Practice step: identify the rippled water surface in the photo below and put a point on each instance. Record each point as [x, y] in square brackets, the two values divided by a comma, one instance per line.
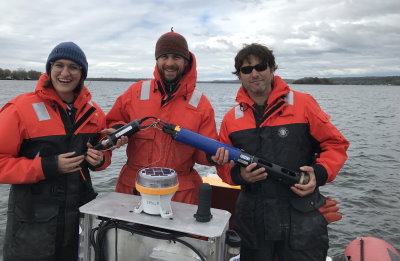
[367, 188]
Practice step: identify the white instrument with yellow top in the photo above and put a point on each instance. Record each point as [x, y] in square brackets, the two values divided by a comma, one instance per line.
[157, 186]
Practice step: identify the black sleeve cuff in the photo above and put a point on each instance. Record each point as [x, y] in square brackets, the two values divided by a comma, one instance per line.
[321, 175]
[50, 166]
[236, 177]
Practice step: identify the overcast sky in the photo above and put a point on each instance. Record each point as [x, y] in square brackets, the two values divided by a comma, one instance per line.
[318, 38]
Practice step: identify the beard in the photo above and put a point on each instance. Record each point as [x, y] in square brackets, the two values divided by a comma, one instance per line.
[170, 74]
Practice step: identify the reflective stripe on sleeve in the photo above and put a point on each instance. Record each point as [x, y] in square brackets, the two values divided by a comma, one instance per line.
[195, 99]
[290, 98]
[41, 111]
[145, 90]
[238, 112]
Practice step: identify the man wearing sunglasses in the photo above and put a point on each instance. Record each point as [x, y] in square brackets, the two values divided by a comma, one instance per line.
[288, 128]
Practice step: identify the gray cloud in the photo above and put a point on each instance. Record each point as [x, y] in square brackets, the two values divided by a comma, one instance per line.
[309, 37]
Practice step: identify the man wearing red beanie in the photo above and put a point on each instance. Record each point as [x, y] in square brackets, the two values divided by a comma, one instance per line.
[170, 96]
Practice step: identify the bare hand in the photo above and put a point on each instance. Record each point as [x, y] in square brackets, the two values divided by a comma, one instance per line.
[94, 157]
[67, 163]
[121, 141]
[221, 157]
[303, 190]
[108, 131]
[250, 175]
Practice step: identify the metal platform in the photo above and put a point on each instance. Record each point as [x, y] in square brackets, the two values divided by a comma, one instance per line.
[131, 247]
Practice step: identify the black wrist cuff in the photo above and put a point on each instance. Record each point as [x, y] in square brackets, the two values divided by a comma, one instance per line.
[236, 177]
[321, 175]
[50, 166]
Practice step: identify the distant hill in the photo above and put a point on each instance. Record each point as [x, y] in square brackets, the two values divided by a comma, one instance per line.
[314, 80]
[368, 80]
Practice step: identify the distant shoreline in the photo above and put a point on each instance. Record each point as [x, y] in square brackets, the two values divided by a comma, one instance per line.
[367, 80]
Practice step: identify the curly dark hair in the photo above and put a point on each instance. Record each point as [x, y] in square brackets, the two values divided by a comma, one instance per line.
[258, 50]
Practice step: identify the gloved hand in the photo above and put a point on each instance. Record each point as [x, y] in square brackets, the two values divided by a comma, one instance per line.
[330, 211]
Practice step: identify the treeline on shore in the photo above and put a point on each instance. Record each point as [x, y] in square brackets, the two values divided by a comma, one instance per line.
[21, 74]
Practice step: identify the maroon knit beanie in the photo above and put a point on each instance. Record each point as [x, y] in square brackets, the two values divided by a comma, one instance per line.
[172, 42]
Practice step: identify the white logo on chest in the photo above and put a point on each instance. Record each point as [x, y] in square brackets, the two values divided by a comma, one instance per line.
[283, 132]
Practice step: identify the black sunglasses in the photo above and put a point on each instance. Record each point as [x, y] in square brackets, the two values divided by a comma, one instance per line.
[259, 68]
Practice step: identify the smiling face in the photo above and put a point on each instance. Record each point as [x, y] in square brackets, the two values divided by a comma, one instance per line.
[65, 77]
[171, 66]
[257, 84]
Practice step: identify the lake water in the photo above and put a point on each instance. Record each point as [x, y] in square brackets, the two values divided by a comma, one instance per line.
[367, 188]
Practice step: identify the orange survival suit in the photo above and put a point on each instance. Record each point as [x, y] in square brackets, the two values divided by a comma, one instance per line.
[43, 205]
[292, 131]
[187, 107]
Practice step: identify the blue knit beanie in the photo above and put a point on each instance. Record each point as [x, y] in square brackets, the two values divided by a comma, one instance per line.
[70, 51]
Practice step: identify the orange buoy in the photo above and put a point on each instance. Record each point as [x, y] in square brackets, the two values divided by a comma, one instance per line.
[370, 249]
